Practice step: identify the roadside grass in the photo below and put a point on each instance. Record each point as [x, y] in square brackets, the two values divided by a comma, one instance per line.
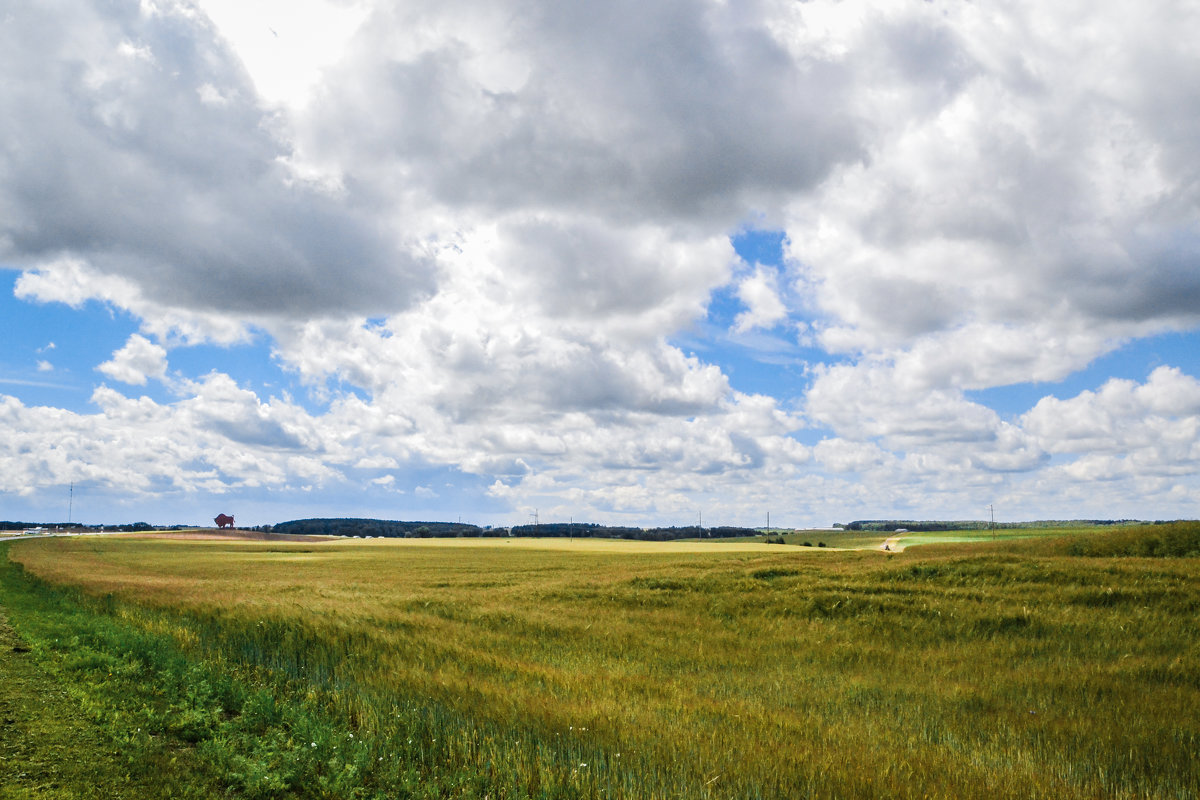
[370, 669]
[75, 706]
[48, 748]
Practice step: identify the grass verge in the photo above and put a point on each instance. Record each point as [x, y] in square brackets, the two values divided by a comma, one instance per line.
[73, 697]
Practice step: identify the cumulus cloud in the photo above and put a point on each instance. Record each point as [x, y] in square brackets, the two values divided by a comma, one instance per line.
[1020, 173]
[74, 282]
[840, 455]
[217, 404]
[1156, 425]
[138, 360]
[869, 401]
[488, 222]
[672, 111]
[115, 158]
[760, 294]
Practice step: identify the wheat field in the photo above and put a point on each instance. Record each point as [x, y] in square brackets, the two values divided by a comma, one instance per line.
[549, 668]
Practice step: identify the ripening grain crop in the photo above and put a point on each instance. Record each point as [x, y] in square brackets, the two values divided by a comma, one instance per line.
[629, 671]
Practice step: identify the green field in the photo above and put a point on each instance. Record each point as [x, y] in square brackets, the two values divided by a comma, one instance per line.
[868, 540]
[1059, 667]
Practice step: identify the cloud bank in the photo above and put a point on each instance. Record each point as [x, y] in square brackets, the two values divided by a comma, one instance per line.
[475, 235]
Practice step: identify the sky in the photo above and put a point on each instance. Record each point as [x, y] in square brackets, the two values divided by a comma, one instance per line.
[630, 263]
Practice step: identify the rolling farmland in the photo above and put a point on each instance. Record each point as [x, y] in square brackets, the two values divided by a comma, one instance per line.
[549, 668]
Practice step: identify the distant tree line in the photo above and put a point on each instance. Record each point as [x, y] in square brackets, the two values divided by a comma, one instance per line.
[974, 524]
[595, 531]
[128, 527]
[411, 530]
[376, 527]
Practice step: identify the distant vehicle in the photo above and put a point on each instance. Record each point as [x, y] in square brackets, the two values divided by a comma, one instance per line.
[33, 531]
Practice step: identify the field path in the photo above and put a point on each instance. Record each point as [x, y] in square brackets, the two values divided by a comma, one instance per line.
[892, 544]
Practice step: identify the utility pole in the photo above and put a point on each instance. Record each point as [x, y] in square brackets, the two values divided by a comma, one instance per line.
[992, 524]
[70, 503]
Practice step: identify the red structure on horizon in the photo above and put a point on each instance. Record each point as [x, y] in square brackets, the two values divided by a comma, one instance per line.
[223, 521]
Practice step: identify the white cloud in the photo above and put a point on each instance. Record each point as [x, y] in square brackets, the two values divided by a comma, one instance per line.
[377, 462]
[492, 219]
[44, 366]
[1155, 425]
[74, 282]
[138, 360]
[876, 400]
[71, 281]
[285, 44]
[840, 455]
[217, 404]
[180, 200]
[1019, 181]
[760, 294]
[211, 95]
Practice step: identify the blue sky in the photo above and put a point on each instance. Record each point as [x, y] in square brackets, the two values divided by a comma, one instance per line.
[771, 361]
[628, 264]
[49, 334]
[1133, 361]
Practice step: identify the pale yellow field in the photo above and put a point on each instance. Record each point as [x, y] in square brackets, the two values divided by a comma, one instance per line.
[554, 544]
